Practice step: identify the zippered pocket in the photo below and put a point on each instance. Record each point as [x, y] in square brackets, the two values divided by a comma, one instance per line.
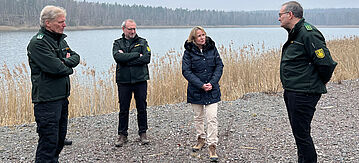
[296, 42]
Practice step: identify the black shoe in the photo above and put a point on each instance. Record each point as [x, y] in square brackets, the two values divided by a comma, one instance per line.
[67, 142]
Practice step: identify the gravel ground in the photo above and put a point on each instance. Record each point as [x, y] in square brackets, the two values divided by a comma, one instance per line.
[254, 128]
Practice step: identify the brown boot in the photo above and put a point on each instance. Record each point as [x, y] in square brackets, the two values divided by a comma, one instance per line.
[143, 139]
[199, 145]
[122, 139]
[212, 153]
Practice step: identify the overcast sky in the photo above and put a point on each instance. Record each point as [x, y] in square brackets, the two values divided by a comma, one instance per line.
[237, 5]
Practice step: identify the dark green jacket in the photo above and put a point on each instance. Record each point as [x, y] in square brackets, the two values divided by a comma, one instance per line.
[306, 65]
[131, 68]
[50, 69]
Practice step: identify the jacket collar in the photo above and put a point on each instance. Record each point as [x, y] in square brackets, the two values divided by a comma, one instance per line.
[55, 36]
[297, 27]
[130, 40]
[210, 44]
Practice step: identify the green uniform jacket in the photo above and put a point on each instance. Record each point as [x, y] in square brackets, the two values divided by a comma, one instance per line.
[306, 65]
[50, 69]
[131, 68]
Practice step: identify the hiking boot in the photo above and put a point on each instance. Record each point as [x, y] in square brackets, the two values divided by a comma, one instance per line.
[143, 139]
[67, 142]
[212, 153]
[199, 145]
[122, 139]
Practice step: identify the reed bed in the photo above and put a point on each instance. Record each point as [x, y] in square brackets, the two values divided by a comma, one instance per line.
[345, 51]
[246, 69]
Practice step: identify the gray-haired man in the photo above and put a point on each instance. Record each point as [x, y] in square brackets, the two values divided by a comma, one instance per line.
[51, 61]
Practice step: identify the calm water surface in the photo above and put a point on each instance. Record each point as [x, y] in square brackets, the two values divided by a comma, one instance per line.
[95, 46]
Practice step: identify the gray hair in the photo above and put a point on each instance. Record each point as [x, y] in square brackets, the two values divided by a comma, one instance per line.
[295, 8]
[127, 20]
[50, 13]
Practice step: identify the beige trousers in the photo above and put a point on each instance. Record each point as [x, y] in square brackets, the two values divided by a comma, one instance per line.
[208, 112]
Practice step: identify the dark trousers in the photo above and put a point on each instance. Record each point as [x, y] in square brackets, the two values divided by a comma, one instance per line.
[51, 119]
[301, 108]
[125, 95]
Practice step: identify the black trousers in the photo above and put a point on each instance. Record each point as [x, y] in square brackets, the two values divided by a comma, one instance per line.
[301, 108]
[51, 119]
[125, 95]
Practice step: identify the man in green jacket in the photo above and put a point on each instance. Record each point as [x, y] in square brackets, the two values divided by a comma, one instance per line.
[51, 61]
[305, 68]
[132, 54]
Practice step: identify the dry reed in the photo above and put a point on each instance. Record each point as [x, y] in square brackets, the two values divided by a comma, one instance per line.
[246, 70]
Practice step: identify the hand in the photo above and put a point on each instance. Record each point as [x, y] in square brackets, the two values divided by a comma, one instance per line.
[207, 87]
[68, 55]
[120, 51]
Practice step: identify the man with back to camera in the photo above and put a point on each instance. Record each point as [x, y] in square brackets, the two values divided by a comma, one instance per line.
[305, 68]
[132, 55]
[51, 62]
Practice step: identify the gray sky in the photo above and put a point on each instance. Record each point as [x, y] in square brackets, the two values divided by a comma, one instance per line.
[237, 5]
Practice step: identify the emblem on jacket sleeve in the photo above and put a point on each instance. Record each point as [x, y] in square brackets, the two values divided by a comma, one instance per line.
[148, 48]
[308, 27]
[320, 53]
[40, 36]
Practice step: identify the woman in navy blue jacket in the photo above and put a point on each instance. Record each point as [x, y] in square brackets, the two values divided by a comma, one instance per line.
[202, 67]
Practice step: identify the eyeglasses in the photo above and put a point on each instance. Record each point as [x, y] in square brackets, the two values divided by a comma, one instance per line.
[130, 29]
[280, 14]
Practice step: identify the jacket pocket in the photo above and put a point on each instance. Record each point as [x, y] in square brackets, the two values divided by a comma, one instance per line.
[137, 48]
[194, 93]
[216, 93]
[197, 64]
[211, 61]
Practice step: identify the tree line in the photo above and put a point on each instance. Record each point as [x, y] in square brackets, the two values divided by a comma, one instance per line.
[82, 13]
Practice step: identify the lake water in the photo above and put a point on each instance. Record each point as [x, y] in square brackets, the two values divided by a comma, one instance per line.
[95, 46]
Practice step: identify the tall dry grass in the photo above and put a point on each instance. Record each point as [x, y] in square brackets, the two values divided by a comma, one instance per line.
[92, 93]
[345, 51]
[246, 70]
[15, 98]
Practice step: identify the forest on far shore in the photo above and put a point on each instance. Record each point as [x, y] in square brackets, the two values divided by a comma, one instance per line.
[82, 13]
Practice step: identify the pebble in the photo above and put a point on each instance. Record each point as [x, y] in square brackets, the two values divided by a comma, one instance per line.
[254, 128]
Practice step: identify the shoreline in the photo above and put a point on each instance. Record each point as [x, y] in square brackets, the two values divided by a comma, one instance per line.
[76, 28]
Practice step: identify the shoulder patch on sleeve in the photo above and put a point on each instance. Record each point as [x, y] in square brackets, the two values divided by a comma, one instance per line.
[320, 53]
[308, 27]
[40, 36]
